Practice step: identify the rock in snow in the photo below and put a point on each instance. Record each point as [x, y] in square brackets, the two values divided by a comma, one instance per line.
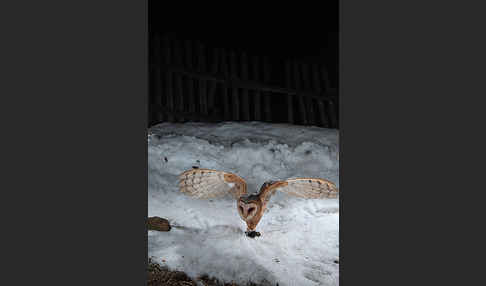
[157, 223]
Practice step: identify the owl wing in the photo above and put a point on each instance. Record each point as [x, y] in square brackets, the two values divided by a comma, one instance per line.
[311, 188]
[207, 183]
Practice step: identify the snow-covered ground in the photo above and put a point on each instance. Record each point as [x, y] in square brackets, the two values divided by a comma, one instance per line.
[300, 238]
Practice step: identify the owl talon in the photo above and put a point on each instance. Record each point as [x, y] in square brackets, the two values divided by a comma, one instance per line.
[252, 233]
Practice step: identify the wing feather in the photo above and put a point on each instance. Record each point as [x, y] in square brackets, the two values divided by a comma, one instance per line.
[207, 183]
[311, 188]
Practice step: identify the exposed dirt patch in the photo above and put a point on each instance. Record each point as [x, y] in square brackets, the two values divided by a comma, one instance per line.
[161, 275]
[158, 275]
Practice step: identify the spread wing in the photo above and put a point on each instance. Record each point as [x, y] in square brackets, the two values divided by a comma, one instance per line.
[311, 188]
[207, 183]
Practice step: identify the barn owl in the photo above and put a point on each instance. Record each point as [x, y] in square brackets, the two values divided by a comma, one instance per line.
[207, 183]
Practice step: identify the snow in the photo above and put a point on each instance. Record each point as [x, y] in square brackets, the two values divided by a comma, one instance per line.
[300, 237]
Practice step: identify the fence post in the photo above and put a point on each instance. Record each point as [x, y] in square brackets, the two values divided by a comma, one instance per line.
[266, 95]
[179, 99]
[332, 113]
[157, 114]
[320, 103]
[308, 100]
[213, 85]
[189, 96]
[169, 96]
[224, 91]
[330, 103]
[201, 66]
[234, 91]
[300, 99]
[290, 105]
[244, 92]
[258, 98]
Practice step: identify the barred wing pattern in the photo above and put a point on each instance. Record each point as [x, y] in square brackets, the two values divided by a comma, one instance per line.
[207, 183]
[311, 188]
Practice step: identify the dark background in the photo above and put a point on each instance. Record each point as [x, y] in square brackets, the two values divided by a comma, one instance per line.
[306, 36]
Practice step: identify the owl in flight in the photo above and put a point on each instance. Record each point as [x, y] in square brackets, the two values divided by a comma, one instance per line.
[207, 183]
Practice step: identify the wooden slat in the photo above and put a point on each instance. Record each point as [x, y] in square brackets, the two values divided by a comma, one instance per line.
[168, 60]
[189, 83]
[258, 96]
[212, 84]
[188, 61]
[234, 91]
[170, 95]
[178, 92]
[330, 104]
[332, 113]
[290, 104]
[156, 81]
[157, 49]
[244, 93]
[316, 82]
[266, 95]
[158, 94]
[151, 112]
[224, 91]
[307, 86]
[202, 84]
[325, 78]
[300, 98]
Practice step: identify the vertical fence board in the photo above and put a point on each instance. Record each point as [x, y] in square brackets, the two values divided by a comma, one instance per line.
[244, 92]
[157, 114]
[189, 82]
[179, 93]
[332, 113]
[188, 54]
[234, 90]
[325, 78]
[290, 105]
[316, 82]
[157, 50]
[300, 99]
[201, 66]
[224, 91]
[334, 94]
[258, 98]
[331, 107]
[213, 85]
[169, 96]
[266, 95]
[322, 113]
[308, 100]
[152, 92]
[179, 99]
[158, 94]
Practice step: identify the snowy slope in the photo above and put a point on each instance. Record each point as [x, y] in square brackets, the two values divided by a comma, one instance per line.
[300, 238]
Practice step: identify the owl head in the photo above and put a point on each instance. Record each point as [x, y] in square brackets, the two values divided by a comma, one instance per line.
[250, 209]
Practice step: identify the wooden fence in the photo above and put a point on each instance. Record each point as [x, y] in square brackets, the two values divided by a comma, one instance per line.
[190, 82]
